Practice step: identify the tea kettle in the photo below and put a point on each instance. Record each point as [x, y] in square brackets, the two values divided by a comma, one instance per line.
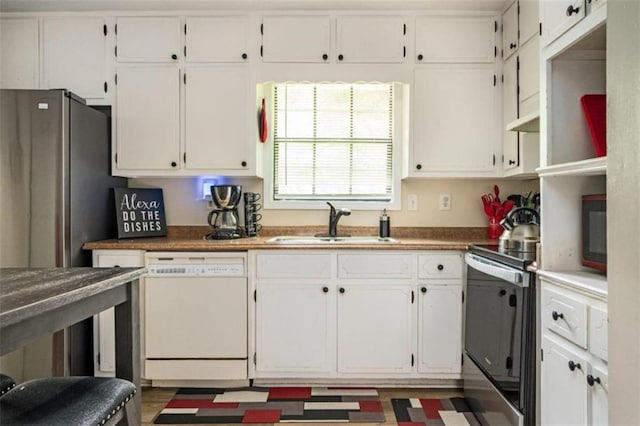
[518, 236]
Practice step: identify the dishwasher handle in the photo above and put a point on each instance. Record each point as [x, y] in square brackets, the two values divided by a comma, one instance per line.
[494, 269]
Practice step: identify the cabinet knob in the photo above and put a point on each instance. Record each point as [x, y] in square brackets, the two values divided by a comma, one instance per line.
[418, 166]
[325, 57]
[571, 10]
[325, 289]
[174, 56]
[244, 56]
[593, 380]
[440, 267]
[574, 365]
[556, 315]
[341, 290]
[340, 57]
[512, 162]
[502, 292]
[244, 164]
[512, 45]
[174, 164]
[423, 289]
[420, 57]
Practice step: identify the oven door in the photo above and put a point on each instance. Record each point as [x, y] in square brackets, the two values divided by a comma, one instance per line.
[496, 328]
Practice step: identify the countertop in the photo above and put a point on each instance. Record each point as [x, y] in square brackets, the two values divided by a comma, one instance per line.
[192, 238]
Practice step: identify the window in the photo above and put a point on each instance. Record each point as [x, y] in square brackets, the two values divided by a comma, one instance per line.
[334, 141]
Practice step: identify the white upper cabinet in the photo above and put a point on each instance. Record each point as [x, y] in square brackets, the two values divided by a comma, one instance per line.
[558, 16]
[148, 39]
[510, 111]
[19, 53]
[148, 118]
[217, 39]
[529, 20]
[455, 120]
[296, 38]
[216, 120]
[370, 39]
[529, 77]
[456, 39]
[75, 55]
[510, 30]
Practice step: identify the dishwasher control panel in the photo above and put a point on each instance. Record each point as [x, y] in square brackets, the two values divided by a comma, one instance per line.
[210, 270]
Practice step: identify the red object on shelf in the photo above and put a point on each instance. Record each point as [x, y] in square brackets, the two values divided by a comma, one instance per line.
[264, 132]
[595, 111]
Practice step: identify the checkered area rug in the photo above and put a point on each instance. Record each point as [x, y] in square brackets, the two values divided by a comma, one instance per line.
[433, 412]
[272, 405]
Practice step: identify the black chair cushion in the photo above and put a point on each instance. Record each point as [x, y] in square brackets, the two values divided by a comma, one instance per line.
[65, 401]
[6, 383]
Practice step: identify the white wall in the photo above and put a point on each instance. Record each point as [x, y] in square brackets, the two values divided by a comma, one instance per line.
[623, 204]
[184, 204]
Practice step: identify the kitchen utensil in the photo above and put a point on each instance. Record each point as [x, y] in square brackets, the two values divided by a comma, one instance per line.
[496, 191]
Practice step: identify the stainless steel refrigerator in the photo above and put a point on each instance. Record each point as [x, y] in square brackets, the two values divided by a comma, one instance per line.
[56, 182]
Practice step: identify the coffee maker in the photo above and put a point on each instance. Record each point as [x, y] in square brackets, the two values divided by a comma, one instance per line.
[224, 218]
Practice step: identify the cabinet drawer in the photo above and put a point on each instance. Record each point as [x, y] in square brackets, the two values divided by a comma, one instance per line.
[115, 258]
[292, 265]
[598, 334]
[440, 265]
[565, 315]
[375, 266]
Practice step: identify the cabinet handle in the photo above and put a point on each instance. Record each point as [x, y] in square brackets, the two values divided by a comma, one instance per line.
[174, 56]
[244, 164]
[340, 57]
[571, 10]
[244, 56]
[418, 166]
[556, 315]
[423, 290]
[325, 289]
[341, 290]
[574, 365]
[325, 57]
[420, 57]
[502, 293]
[440, 267]
[512, 45]
[174, 164]
[593, 380]
[511, 162]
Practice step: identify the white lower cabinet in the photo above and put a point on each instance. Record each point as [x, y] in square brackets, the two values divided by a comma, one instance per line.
[353, 314]
[574, 372]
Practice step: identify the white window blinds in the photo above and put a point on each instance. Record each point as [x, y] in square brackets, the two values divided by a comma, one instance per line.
[333, 141]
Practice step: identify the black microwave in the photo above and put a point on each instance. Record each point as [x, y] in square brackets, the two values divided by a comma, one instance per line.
[594, 231]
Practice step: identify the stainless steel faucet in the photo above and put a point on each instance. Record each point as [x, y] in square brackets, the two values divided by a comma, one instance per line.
[334, 217]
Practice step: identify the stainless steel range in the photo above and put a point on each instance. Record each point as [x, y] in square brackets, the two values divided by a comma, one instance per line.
[499, 365]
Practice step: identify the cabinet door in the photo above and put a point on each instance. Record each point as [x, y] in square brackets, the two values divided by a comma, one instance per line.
[456, 118]
[563, 390]
[439, 328]
[510, 112]
[217, 39]
[75, 55]
[370, 39]
[145, 39]
[529, 20]
[217, 121]
[148, 118]
[529, 77]
[295, 327]
[19, 54]
[599, 398]
[510, 30]
[296, 38]
[375, 331]
[448, 39]
[558, 16]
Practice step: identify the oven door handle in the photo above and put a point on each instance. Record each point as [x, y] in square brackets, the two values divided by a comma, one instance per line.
[494, 269]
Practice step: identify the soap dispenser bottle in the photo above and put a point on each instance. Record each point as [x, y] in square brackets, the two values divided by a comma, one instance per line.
[385, 225]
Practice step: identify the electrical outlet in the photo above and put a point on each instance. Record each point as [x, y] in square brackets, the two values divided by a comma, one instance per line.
[412, 202]
[445, 202]
[210, 204]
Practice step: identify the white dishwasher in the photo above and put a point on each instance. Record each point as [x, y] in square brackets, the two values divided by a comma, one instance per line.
[195, 317]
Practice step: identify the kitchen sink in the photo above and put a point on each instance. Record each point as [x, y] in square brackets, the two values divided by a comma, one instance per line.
[298, 239]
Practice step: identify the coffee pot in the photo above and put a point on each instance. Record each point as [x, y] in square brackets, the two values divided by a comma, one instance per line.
[224, 218]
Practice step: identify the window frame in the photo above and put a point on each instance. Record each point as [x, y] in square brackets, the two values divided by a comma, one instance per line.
[400, 120]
